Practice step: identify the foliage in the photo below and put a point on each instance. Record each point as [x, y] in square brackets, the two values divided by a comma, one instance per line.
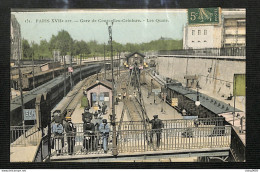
[27, 50]
[64, 42]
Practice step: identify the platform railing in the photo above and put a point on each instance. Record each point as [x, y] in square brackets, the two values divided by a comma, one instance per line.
[135, 140]
[79, 143]
[175, 123]
[22, 136]
[228, 51]
[175, 139]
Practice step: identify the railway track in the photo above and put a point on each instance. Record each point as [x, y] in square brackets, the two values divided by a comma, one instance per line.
[68, 104]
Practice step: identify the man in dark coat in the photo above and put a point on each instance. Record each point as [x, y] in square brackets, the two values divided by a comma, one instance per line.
[89, 134]
[70, 133]
[86, 115]
[104, 107]
[157, 126]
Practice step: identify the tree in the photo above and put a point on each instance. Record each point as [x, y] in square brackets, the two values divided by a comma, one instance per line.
[43, 50]
[63, 42]
[80, 47]
[27, 51]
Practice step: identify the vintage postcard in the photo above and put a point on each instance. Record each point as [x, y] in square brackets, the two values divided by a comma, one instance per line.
[128, 85]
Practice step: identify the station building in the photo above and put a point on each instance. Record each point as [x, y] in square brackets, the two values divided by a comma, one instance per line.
[230, 32]
[99, 92]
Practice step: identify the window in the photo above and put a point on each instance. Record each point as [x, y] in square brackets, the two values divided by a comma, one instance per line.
[199, 32]
[193, 32]
[192, 41]
[198, 41]
[205, 41]
[205, 32]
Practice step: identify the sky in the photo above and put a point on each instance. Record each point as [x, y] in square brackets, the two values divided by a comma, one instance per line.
[129, 26]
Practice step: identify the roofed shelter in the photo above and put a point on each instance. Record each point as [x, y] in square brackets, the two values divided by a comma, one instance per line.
[135, 57]
[99, 92]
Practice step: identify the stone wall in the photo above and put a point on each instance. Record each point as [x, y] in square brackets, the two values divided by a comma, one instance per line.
[215, 74]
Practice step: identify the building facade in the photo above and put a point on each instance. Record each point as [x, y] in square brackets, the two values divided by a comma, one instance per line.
[15, 37]
[234, 28]
[230, 32]
[100, 92]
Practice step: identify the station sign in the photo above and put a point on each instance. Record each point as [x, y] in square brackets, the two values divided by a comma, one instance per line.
[197, 16]
[174, 102]
[156, 91]
[29, 114]
[239, 88]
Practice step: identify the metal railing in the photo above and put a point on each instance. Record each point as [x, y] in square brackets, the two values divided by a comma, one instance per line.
[79, 143]
[174, 123]
[174, 139]
[137, 140]
[237, 147]
[18, 137]
[232, 51]
[42, 152]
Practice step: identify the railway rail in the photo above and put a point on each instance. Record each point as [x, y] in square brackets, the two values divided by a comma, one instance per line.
[54, 88]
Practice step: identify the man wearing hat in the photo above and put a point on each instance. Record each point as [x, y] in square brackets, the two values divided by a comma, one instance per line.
[70, 133]
[57, 133]
[104, 129]
[89, 132]
[86, 115]
[157, 126]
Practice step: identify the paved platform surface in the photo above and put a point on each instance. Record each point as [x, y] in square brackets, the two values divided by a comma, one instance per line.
[186, 155]
[239, 104]
[151, 109]
[22, 153]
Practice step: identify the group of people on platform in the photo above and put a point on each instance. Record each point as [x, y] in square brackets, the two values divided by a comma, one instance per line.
[92, 128]
[95, 130]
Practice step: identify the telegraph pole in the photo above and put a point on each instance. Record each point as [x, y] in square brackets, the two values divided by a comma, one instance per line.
[117, 56]
[33, 70]
[119, 62]
[21, 84]
[71, 84]
[64, 83]
[105, 59]
[54, 54]
[80, 67]
[113, 120]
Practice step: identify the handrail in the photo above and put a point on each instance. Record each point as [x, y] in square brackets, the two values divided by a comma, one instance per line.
[135, 140]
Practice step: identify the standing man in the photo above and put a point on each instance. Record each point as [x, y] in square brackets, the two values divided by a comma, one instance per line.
[157, 126]
[70, 133]
[89, 132]
[57, 133]
[104, 107]
[86, 115]
[96, 121]
[105, 129]
[84, 101]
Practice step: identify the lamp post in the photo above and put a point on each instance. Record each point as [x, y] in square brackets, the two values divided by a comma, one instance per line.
[113, 116]
[197, 103]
